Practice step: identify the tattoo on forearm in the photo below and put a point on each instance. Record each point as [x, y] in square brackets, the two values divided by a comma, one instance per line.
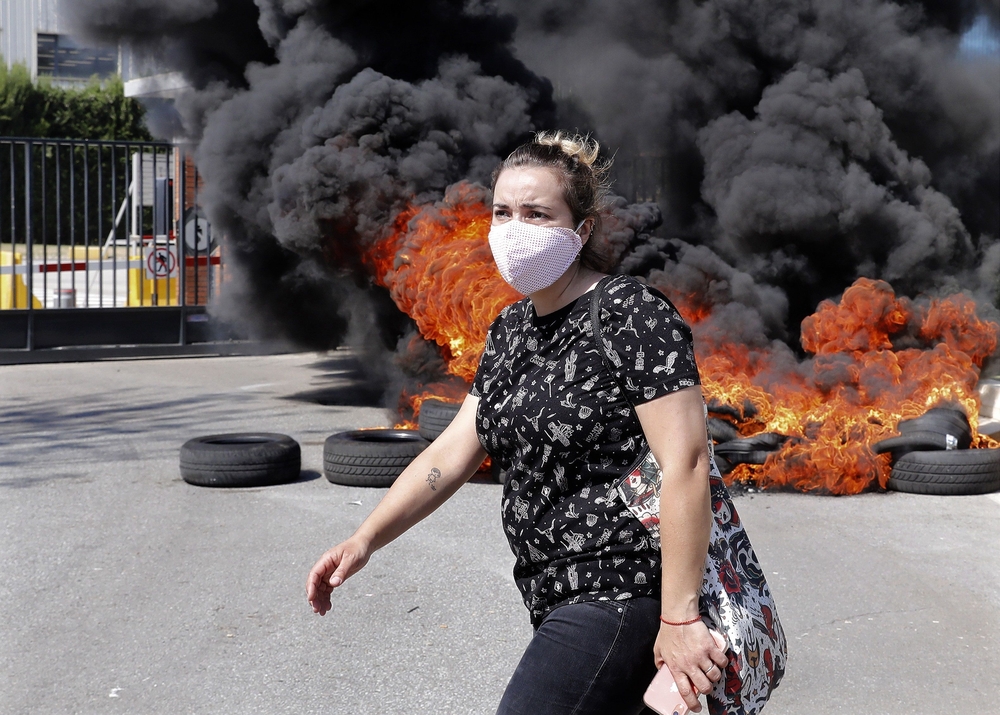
[433, 477]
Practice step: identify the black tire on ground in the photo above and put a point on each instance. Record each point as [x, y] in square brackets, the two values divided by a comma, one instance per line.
[948, 472]
[370, 458]
[435, 416]
[241, 459]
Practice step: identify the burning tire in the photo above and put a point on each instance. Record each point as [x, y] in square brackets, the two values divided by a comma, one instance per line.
[724, 465]
[952, 425]
[755, 457]
[435, 416]
[721, 431]
[948, 472]
[915, 441]
[747, 450]
[370, 458]
[240, 460]
[750, 450]
[939, 428]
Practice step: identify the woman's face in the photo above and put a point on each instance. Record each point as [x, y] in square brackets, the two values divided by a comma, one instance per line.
[532, 195]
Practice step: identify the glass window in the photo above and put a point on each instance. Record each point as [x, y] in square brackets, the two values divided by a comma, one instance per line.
[62, 57]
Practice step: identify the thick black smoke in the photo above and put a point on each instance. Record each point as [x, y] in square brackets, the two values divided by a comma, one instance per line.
[806, 143]
[351, 111]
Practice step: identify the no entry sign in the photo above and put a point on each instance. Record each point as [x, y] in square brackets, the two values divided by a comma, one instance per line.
[161, 262]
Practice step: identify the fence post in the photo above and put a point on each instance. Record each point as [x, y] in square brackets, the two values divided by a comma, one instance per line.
[29, 257]
[180, 166]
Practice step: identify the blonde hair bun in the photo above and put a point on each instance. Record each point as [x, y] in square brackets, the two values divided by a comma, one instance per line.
[582, 148]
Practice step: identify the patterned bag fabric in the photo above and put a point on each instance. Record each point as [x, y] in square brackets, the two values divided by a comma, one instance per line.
[735, 598]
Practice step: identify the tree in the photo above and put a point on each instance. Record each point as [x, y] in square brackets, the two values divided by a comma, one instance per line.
[43, 109]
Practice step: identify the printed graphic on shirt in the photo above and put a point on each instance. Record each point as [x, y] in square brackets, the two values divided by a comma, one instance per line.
[558, 421]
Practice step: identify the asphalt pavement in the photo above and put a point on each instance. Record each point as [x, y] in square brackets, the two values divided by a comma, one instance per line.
[126, 590]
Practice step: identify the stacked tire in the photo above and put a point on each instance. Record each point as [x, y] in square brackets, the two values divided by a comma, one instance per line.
[932, 455]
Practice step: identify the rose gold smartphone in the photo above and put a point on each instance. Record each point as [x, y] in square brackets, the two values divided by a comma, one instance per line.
[662, 695]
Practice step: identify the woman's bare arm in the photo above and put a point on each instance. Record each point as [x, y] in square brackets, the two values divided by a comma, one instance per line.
[674, 426]
[430, 479]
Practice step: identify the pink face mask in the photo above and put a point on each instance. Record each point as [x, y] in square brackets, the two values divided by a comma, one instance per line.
[532, 257]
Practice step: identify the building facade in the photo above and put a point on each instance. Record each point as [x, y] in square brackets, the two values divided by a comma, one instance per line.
[33, 33]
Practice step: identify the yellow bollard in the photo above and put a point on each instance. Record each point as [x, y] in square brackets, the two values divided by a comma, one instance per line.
[13, 290]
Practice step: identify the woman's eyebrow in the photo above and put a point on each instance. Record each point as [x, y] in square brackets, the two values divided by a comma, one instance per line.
[501, 205]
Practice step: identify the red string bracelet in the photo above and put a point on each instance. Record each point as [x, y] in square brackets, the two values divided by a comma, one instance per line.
[682, 623]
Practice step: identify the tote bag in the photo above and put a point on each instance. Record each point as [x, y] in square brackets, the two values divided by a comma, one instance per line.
[735, 599]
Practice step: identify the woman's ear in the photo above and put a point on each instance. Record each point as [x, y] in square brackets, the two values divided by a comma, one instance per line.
[585, 229]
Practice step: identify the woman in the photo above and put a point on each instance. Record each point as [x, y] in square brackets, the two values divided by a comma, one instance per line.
[608, 607]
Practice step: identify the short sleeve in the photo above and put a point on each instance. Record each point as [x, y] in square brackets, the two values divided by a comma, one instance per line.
[489, 358]
[646, 340]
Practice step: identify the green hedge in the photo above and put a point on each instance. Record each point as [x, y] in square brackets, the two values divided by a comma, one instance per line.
[42, 109]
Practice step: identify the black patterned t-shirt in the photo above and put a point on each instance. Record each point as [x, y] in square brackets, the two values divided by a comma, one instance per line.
[556, 419]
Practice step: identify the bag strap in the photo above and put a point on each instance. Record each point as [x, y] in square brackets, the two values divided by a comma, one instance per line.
[595, 323]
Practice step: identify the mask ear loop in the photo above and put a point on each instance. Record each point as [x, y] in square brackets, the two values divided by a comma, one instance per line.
[577, 232]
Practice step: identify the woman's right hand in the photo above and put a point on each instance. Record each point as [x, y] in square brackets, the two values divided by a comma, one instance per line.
[433, 476]
[333, 568]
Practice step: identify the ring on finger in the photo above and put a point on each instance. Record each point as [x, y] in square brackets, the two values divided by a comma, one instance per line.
[711, 668]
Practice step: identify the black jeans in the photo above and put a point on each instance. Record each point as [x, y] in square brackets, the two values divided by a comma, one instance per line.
[593, 658]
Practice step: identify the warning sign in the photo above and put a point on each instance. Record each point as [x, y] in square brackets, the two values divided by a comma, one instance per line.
[161, 263]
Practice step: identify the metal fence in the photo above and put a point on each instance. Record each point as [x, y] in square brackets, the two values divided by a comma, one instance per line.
[101, 225]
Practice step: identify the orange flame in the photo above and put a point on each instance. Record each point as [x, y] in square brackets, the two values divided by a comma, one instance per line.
[437, 265]
[877, 358]
[861, 385]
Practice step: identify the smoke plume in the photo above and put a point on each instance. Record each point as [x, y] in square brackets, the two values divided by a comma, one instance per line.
[807, 143]
[804, 143]
[334, 118]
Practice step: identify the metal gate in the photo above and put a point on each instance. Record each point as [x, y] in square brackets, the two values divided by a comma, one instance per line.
[99, 234]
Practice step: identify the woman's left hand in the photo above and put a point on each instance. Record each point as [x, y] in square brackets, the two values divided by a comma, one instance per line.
[694, 656]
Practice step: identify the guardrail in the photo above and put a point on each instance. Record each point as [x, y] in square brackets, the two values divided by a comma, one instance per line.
[101, 225]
